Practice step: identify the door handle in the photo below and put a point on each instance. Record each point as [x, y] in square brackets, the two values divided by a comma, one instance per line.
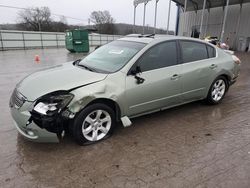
[213, 66]
[175, 77]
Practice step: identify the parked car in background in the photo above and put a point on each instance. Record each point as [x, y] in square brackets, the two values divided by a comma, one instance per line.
[129, 77]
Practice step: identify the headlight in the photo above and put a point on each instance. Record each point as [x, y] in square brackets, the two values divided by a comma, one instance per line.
[53, 102]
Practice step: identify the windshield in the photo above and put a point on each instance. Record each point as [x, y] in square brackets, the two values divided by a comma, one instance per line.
[111, 57]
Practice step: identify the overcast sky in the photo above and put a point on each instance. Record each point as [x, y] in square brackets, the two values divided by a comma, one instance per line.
[121, 10]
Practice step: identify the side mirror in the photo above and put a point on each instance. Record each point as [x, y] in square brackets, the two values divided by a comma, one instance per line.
[135, 73]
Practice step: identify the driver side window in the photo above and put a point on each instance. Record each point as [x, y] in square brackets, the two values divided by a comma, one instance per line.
[159, 56]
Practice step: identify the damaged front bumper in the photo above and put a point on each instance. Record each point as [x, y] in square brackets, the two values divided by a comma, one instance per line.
[28, 128]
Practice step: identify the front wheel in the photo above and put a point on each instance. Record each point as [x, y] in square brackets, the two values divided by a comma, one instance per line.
[217, 90]
[95, 122]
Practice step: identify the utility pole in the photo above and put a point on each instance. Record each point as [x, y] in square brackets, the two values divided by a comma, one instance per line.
[169, 10]
[144, 15]
[184, 17]
[202, 16]
[224, 22]
[134, 17]
[156, 3]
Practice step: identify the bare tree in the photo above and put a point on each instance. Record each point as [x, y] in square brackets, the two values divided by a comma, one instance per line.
[35, 19]
[103, 21]
[61, 25]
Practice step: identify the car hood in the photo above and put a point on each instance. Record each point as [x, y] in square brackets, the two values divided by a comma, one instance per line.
[62, 77]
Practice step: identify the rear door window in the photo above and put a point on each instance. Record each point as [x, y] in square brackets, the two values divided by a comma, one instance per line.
[211, 51]
[193, 51]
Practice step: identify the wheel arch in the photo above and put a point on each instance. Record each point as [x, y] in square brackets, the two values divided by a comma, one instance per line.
[109, 102]
[227, 77]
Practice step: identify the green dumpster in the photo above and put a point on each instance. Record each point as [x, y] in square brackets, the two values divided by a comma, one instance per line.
[77, 40]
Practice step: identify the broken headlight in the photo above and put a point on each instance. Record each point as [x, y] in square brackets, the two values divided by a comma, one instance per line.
[52, 103]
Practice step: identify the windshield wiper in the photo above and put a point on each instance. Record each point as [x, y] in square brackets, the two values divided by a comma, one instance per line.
[76, 62]
[87, 68]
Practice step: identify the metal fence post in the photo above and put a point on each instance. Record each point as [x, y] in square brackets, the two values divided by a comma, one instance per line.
[224, 22]
[41, 40]
[1, 38]
[56, 41]
[24, 47]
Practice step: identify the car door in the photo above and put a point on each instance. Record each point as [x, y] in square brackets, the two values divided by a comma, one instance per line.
[198, 69]
[161, 83]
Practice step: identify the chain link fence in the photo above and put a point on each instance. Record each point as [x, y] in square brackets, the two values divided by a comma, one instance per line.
[10, 39]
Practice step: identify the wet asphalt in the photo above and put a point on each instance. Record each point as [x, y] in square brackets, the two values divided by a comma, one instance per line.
[194, 145]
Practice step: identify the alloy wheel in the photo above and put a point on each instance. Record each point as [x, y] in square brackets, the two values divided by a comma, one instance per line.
[96, 125]
[218, 90]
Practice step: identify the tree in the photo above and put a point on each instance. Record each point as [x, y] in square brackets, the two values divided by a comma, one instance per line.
[60, 26]
[35, 19]
[103, 21]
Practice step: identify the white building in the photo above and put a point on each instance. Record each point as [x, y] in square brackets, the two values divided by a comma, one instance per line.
[235, 17]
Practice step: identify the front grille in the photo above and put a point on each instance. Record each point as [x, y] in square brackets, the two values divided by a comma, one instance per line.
[17, 99]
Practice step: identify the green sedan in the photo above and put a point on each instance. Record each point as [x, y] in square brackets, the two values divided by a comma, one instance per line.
[129, 77]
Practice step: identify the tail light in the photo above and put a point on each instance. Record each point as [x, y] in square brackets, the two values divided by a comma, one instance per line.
[236, 60]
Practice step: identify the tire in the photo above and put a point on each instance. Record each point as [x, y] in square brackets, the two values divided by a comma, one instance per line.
[217, 90]
[94, 123]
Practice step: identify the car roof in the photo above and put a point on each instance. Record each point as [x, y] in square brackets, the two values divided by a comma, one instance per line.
[150, 38]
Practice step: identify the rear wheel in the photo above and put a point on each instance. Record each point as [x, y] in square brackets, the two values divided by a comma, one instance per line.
[217, 90]
[95, 122]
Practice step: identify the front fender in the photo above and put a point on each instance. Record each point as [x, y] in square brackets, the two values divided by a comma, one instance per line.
[100, 90]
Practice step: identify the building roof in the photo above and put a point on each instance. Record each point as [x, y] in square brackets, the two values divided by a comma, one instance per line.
[198, 4]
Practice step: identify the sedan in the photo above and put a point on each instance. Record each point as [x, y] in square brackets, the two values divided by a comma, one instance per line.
[129, 77]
